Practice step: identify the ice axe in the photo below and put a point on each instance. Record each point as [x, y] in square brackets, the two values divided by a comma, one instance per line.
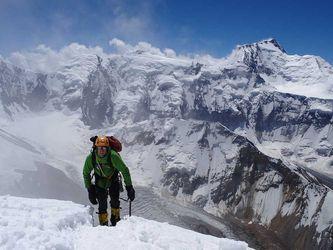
[129, 206]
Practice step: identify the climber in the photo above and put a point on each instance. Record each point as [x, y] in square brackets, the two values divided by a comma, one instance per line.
[106, 163]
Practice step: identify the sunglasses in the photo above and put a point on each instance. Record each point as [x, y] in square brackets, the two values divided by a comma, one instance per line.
[102, 148]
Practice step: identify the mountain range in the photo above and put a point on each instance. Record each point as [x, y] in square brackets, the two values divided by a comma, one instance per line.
[248, 136]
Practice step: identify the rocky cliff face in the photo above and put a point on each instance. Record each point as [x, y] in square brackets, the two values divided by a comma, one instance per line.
[221, 134]
[21, 90]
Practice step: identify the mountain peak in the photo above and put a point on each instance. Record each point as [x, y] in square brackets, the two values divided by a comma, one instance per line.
[274, 42]
[268, 44]
[253, 54]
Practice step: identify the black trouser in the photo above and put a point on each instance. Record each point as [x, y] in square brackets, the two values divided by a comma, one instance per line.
[113, 191]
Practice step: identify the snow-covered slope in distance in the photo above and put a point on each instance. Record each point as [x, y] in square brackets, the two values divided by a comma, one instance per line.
[42, 155]
[53, 224]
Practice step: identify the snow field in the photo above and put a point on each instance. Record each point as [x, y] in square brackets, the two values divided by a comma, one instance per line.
[138, 233]
[52, 224]
[39, 223]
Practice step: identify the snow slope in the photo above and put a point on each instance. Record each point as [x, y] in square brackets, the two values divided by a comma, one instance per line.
[53, 224]
[41, 154]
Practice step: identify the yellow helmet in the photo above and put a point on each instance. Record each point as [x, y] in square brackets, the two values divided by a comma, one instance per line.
[102, 141]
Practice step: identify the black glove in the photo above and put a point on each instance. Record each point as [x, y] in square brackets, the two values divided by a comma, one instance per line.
[92, 194]
[130, 192]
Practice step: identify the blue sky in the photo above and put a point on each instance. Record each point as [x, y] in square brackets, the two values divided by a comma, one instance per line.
[214, 27]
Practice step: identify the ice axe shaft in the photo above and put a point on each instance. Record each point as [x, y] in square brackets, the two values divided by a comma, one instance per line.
[130, 208]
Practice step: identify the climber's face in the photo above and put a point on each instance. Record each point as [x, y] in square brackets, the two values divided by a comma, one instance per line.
[101, 151]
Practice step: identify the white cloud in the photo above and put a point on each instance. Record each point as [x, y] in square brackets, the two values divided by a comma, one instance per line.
[120, 46]
[45, 59]
[170, 53]
[142, 47]
[147, 47]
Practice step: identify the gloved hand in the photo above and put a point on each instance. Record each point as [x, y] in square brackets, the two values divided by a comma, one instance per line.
[130, 192]
[92, 194]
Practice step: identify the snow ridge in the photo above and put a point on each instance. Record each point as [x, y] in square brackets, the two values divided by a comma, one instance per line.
[53, 224]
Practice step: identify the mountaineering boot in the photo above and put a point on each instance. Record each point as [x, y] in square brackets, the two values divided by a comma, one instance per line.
[115, 216]
[103, 219]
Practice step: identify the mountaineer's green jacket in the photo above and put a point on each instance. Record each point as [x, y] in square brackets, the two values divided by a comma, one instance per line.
[105, 169]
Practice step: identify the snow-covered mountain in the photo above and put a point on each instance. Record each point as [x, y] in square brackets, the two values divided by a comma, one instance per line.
[234, 136]
[300, 75]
